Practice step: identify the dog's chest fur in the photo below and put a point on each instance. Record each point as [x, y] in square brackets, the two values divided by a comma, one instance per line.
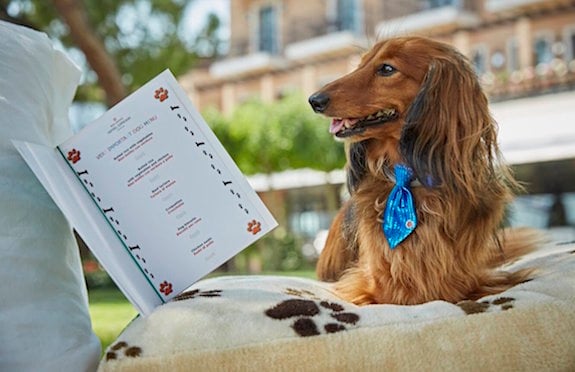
[364, 211]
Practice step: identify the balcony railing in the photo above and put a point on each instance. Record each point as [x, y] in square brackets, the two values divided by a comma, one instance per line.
[254, 63]
[556, 76]
[325, 45]
[495, 6]
[460, 14]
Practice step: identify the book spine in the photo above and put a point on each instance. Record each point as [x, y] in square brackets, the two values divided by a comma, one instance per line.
[106, 213]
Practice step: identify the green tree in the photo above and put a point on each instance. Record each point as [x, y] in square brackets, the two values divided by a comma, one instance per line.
[207, 42]
[266, 138]
[124, 42]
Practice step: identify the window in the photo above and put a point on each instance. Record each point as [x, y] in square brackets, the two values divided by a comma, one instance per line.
[439, 3]
[571, 45]
[347, 18]
[569, 40]
[530, 210]
[267, 32]
[307, 210]
[542, 49]
[512, 55]
[479, 61]
[308, 223]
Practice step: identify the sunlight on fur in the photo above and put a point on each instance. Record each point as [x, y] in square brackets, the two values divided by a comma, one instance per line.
[418, 102]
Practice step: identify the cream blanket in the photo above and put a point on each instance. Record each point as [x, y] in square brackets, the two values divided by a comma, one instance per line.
[280, 323]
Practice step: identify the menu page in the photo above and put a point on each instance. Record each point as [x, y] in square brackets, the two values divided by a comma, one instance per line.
[166, 186]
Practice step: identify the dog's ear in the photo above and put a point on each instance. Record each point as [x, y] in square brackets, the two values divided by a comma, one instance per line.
[356, 165]
[449, 136]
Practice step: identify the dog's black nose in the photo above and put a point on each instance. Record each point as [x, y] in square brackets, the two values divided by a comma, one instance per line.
[319, 101]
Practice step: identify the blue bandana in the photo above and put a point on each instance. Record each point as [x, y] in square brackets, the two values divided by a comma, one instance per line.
[399, 217]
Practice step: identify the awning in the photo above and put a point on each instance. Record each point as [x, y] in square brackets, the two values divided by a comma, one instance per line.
[295, 178]
[537, 129]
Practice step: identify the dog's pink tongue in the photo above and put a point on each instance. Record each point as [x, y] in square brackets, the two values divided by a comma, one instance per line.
[338, 124]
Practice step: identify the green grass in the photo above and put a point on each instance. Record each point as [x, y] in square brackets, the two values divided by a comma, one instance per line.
[111, 312]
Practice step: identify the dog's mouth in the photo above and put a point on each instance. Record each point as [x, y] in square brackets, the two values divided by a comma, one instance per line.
[350, 126]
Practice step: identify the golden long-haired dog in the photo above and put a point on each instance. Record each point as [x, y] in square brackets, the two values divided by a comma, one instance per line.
[418, 102]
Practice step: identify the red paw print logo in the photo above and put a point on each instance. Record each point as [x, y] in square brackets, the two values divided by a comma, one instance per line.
[74, 156]
[166, 287]
[161, 94]
[254, 227]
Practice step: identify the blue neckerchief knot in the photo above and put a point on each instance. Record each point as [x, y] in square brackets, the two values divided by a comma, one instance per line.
[399, 217]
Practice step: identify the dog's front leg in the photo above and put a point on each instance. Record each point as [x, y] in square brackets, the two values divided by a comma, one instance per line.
[340, 249]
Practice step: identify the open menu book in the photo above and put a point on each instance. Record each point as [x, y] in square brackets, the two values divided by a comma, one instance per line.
[152, 192]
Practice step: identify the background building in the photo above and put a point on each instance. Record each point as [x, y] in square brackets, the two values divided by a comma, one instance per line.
[523, 51]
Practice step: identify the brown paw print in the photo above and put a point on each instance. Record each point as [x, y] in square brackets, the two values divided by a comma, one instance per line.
[195, 293]
[254, 227]
[301, 293]
[306, 310]
[474, 307]
[166, 287]
[121, 349]
[161, 94]
[74, 156]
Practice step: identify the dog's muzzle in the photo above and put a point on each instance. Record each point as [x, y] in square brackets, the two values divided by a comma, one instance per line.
[319, 102]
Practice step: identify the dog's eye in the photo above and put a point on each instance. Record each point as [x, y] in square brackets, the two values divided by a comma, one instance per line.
[386, 70]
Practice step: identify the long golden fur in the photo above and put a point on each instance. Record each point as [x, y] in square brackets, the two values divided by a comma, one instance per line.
[434, 117]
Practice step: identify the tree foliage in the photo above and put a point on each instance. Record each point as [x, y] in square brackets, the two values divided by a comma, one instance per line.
[265, 138]
[142, 37]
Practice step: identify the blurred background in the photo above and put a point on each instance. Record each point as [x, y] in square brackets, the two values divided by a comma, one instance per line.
[249, 65]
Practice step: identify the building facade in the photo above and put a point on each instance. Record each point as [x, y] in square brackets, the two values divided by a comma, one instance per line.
[518, 47]
[521, 50]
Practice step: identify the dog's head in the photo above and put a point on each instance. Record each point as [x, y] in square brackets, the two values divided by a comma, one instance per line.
[366, 102]
[424, 96]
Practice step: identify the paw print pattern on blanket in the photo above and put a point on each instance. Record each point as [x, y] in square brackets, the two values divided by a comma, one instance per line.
[474, 307]
[195, 293]
[121, 349]
[301, 293]
[304, 311]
